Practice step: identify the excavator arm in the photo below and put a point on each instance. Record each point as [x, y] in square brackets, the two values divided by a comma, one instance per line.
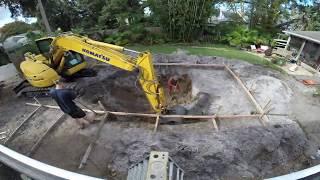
[113, 55]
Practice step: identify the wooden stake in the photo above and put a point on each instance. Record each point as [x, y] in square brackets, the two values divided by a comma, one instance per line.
[252, 99]
[215, 124]
[156, 124]
[93, 141]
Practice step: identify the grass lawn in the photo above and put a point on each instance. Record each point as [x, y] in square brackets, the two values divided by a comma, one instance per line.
[207, 50]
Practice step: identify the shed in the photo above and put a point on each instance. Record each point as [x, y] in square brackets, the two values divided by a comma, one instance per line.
[307, 46]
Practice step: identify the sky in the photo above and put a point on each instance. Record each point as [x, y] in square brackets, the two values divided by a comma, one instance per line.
[5, 17]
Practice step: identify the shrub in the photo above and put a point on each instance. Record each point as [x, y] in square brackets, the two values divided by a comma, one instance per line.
[14, 28]
[134, 34]
[243, 37]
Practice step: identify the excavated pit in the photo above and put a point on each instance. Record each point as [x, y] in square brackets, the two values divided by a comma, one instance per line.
[241, 149]
[202, 91]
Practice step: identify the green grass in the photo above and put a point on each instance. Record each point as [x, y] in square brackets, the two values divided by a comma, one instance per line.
[208, 50]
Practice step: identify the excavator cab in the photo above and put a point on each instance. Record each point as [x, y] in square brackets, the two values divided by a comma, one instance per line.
[43, 69]
[43, 45]
[73, 62]
[65, 63]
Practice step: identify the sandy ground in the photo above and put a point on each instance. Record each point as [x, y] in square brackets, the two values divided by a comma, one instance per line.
[242, 149]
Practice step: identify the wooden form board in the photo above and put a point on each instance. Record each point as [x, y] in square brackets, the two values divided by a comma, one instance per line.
[264, 118]
[200, 117]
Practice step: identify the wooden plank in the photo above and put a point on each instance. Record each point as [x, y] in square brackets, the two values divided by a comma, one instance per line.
[282, 44]
[204, 117]
[23, 122]
[277, 114]
[95, 138]
[156, 124]
[282, 40]
[181, 64]
[189, 65]
[297, 58]
[288, 43]
[250, 96]
[37, 144]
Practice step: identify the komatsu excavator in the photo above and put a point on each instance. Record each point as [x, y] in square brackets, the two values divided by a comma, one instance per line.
[63, 55]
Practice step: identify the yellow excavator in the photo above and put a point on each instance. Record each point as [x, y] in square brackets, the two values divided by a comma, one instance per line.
[63, 55]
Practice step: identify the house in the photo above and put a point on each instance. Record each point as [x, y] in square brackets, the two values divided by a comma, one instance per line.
[306, 45]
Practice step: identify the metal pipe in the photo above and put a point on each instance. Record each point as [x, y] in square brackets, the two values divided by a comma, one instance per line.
[299, 174]
[133, 51]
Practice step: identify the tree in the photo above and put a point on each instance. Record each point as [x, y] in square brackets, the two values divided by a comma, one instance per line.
[119, 13]
[90, 11]
[14, 28]
[183, 20]
[307, 18]
[26, 8]
[262, 15]
[62, 14]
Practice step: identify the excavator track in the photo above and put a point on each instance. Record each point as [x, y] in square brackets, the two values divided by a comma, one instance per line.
[26, 90]
[42, 92]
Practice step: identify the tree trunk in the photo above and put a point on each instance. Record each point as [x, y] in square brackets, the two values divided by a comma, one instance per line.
[44, 16]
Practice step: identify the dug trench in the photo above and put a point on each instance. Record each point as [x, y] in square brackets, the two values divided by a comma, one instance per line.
[241, 149]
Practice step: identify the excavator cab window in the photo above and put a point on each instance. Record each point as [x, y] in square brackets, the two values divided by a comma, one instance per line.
[44, 45]
[72, 59]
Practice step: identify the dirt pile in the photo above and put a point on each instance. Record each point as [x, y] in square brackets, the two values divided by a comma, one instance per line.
[116, 89]
[233, 154]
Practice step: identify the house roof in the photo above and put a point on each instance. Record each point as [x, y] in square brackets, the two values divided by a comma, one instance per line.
[313, 36]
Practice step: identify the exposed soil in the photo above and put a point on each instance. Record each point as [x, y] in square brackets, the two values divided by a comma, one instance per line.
[242, 149]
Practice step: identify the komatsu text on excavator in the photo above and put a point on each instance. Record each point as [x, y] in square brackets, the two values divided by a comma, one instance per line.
[63, 56]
